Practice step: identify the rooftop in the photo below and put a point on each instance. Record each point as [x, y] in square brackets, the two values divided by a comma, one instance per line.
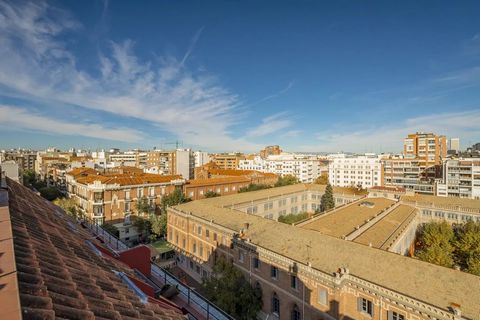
[51, 268]
[342, 222]
[123, 179]
[387, 228]
[444, 202]
[434, 285]
[213, 181]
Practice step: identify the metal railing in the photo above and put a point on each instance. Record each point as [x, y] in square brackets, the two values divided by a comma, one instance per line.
[192, 298]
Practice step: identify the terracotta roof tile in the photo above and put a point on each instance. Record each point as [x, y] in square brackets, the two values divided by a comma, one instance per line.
[59, 276]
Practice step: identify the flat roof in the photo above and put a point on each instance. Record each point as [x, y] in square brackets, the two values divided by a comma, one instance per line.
[387, 227]
[432, 284]
[343, 221]
[446, 202]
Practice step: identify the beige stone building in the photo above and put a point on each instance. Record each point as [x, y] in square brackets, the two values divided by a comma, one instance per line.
[311, 273]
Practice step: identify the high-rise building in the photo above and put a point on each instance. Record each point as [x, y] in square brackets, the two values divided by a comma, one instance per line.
[184, 163]
[430, 149]
[454, 144]
[270, 150]
[201, 158]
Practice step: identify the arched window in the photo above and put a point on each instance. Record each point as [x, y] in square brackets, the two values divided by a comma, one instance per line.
[275, 305]
[258, 291]
[296, 315]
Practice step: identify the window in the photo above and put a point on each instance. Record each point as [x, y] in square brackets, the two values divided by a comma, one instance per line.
[365, 306]
[194, 247]
[241, 256]
[275, 305]
[322, 296]
[392, 315]
[294, 282]
[207, 233]
[256, 263]
[274, 272]
[199, 230]
[214, 236]
[296, 313]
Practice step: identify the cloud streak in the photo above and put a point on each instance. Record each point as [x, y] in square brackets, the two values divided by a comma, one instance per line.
[18, 118]
[37, 66]
[270, 125]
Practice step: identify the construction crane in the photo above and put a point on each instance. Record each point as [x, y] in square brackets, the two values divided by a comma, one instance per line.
[176, 143]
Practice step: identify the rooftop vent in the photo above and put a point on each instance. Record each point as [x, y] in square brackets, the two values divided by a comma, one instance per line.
[367, 204]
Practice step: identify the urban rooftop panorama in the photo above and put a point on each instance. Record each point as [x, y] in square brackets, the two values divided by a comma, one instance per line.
[239, 160]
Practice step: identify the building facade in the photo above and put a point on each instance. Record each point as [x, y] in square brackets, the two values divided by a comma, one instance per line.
[460, 178]
[428, 148]
[201, 158]
[304, 274]
[364, 171]
[227, 161]
[410, 174]
[104, 197]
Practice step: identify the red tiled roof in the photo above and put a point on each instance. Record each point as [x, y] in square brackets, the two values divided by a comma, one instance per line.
[123, 179]
[59, 275]
[389, 188]
[215, 181]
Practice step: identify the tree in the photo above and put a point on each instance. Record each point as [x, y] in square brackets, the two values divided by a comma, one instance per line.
[211, 194]
[467, 247]
[292, 218]
[143, 225]
[286, 181]
[143, 206]
[323, 179]
[29, 178]
[49, 193]
[229, 290]
[110, 228]
[436, 247]
[327, 201]
[253, 187]
[158, 225]
[68, 205]
[173, 199]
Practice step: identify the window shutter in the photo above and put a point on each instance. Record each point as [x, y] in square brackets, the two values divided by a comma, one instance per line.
[373, 308]
[389, 315]
[359, 304]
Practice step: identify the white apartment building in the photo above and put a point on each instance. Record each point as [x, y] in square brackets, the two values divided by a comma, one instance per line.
[305, 168]
[363, 171]
[130, 158]
[461, 178]
[184, 163]
[201, 158]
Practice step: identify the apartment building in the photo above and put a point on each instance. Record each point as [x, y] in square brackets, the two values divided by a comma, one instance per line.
[428, 148]
[160, 162]
[211, 170]
[410, 174]
[270, 151]
[24, 159]
[201, 158]
[184, 163]
[306, 274]
[460, 178]
[109, 196]
[364, 171]
[132, 158]
[228, 161]
[306, 168]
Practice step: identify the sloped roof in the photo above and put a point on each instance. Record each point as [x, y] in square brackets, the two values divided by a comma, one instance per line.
[58, 274]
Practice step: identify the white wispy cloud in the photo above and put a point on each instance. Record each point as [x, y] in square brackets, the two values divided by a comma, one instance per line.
[36, 65]
[269, 125]
[291, 134]
[16, 118]
[389, 138]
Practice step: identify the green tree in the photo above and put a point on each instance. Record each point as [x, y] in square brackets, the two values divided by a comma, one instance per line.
[292, 218]
[211, 194]
[323, 179]
[253, 187]
[173, 199]
[68, 205]
[286, 181]
[49, 193]
[29, 178]
[110, 228]
[143, 206]
[436, 247]
[228, 289]
[327, 201]
[158, 225]
[467, 247]
[143, 226]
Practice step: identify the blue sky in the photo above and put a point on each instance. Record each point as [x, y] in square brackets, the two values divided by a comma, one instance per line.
[237, 75]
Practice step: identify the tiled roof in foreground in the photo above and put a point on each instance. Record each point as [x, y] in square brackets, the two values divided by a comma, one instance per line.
[429, 283]
[50, 268]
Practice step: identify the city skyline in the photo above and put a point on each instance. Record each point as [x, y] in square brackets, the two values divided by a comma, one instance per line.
[310, 77]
